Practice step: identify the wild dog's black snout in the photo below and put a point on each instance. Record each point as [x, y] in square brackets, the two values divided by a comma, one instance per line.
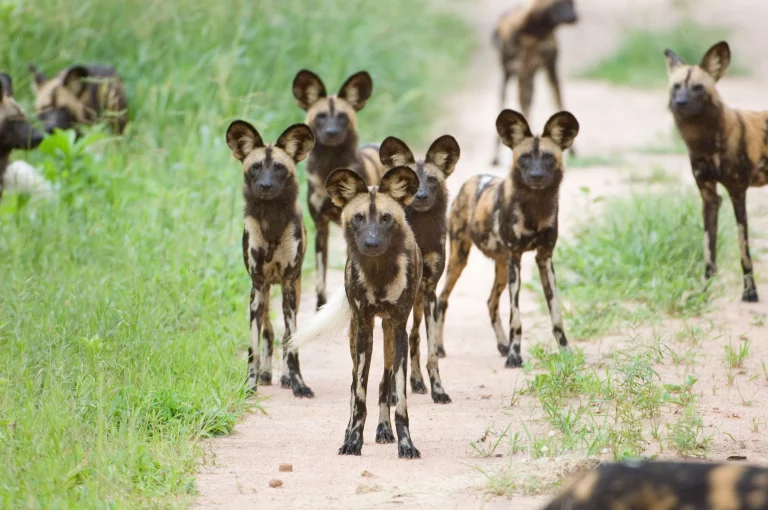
[421, 195]
[372, 243]
[266, 186]
[36, 139]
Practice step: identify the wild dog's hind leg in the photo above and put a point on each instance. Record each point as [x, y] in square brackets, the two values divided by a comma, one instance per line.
[739, 199]
[710, 207]
[417, 380]
[384, 429]
[267, 342]
[514, 360]
[353, 438]
[550, 65]
[525, 92]
[321, 256]
[499, 282]
[439, 396]
[507, 75]
[547, 276]
[460, 246]
[291, 296]
[256, 313]
[405, 448]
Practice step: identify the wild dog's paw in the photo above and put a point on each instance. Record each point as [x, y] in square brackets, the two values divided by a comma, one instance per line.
[351, 448]
[265, 378]
[302, 391]
[440, 398]
[503, 349]
[408, 451]
[384, 434]
[417, 386]
[285, 382]
[440, 351]
[514, 360]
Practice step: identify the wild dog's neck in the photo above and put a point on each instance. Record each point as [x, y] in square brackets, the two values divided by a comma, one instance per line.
[324, 159]
[429, 226]
[538, 25]
[535, 203]
[385, 267]
[701, 131]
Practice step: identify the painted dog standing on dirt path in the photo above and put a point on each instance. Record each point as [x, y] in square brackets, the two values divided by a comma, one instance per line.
[274, 241]
[15, 130]
[665, 486]
[725, 145]
[381, 278]
[80, 95]
[525, 38]
[427, 217]
[333, 120]
[506, 217]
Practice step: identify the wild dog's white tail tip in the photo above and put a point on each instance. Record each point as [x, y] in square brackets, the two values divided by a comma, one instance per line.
[328, 322]
[22, 177]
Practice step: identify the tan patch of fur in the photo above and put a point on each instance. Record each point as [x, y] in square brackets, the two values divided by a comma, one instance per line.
[53, 93]
[372, 165]
[583, 488]
[10, 110]
[723, 482]
[284, 255]
[339, 105]
[260, 153]
[545, 145]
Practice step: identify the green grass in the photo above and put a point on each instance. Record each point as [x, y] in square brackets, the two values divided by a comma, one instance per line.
[640, 257]
[123, 305]
[639, 60]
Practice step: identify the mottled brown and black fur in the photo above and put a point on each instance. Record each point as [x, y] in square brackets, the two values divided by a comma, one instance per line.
[274, 241]
[333, 120]
[725, 145]
[427, 217]
[665, 486]
[506, 217]
[15, 130]
[80, 94]
[381, 278]
[525, 38]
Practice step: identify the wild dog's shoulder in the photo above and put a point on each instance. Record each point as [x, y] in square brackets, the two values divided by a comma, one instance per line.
[511, 21]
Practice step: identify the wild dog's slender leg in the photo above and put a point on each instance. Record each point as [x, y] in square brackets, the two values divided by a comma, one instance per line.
[384, 429]
[711, 206]
[547, 275]
[353, 438]
[507, 75]
[439, 396]
[353, 354]
[267, 342]
[291, 296]
[739, 199]
[550, 65]
[417, 380]
[405, 448]
[499, 282]
[460, 246]
[525, 92]
[321, 256]
[514, 359]
[256, 313]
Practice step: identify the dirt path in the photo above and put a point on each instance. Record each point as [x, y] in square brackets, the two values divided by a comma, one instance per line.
[307, 434]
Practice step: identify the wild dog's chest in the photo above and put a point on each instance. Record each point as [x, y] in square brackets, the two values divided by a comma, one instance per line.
[510, 228]
[383, 291]
[270, 256]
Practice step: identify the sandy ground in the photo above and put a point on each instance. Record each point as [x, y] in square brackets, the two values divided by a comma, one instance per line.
[308, 433]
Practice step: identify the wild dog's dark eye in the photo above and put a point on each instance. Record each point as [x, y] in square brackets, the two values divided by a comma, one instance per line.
[547, 158]
[676, 86]
[359, 217]
[697, 87]
[342, 118]
[278, 168]
[386, 218]
[322, 116]
[431, 179]
[255, 167]
[525, 159]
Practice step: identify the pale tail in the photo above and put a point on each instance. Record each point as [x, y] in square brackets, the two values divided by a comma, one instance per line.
[326, 324]
[22, 177]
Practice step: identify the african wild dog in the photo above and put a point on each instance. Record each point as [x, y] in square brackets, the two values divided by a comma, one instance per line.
[274, 241]
[80, 95]
[427, 217]
[725, 145]
[15, 130]
[665, 486]
[525, 38]
[333, 120]
[506, 217]
[381, 278]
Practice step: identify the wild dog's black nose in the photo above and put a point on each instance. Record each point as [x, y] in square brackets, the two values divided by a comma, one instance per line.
[265, 186]
[681, 101]
[421, 195]
[372, 244]
[332, 131]
[35, 140]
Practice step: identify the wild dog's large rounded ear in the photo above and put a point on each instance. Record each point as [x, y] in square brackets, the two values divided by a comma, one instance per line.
[444, 154]
[307, 89]
[74, 80]
[6, 86]
[393, 152]
[296, 141]
[562, 129]
[673, 60]
[38, 77]
[512, 128]
[343, 185]
[400, 183]
[357, 89]
[242, 138]
[716, 60]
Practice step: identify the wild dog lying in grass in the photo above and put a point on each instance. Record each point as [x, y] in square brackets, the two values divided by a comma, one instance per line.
[15, 130]
[427, 217]
[333, 120]
[381, 278]
[80, 95]
[506, 217]
[666, 486]
[525, 37]
[274, 241]
[725, 145]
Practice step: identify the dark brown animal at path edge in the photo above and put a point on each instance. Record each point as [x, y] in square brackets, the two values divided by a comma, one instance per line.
[427, 217]
[525, 38]
[506, 217]
[15, 130]
[274, 242]
[333, 120]
[381, 278]
[725, 145]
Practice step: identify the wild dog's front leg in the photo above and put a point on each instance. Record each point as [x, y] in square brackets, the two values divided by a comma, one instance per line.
[353, 438]
[267, 342]
[710, 207]
[739, 199]
[384, 429]
[291, 296]
[547, 276]
[439, 396]
[417, 380]
[457, 261]
[405, 448]
[514, 360]
[321, 256]
[499, 282]
[256, 313]
[525, 91]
